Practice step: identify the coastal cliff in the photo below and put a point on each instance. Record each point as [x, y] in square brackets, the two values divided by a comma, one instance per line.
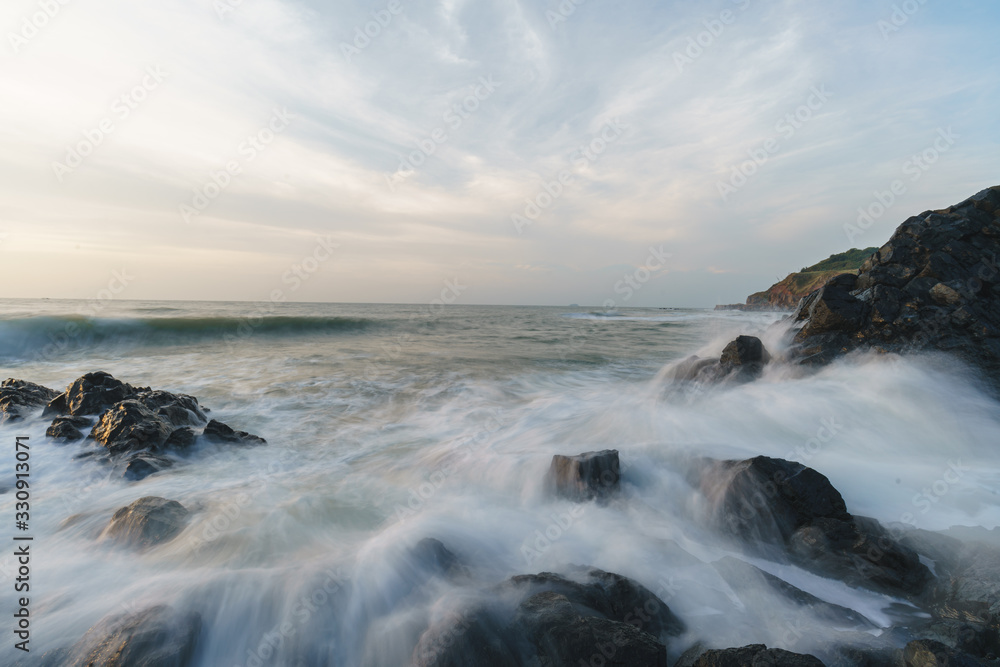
[786, 294]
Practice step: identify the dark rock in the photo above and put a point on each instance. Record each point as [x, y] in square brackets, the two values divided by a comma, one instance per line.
[139, 469]
[148, 521]
[555, 621]
[216, 431]
[929, 653]
[130, 426]
[92, 394]
[744, 358]
[755, 655]
[565, 636]
[768, 503]
[155, 637]
[933, 286]
[585, 476]
[180, 439]
[67, 428]
[19, 397]
[178, 409]
[431, 553]
[745, 350]
[766, 500]
[860, 552]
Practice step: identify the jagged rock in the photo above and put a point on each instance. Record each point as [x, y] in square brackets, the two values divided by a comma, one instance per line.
[219, 432]
[935, 285]
[67, 428]
[91, 394]
[743, 351]
[178, 409]
[155, 637]
[929, 653]
[130, 426]
[555, 621]
[147, 522]
[180, 439]
[18, 397]
[742, 360]
[585, 476]
[768, 503]
[565, 635]
[755, 655]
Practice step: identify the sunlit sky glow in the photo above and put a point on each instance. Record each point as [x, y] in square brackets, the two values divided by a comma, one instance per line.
[202, 77]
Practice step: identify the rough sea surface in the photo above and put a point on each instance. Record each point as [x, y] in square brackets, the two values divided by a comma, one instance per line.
[389, 424]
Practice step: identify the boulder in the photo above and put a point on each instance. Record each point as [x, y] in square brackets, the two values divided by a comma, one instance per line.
[155, 637]
[147, 522]
[585, 476]
[90, 395]
[785, 509]
[67, 428]
[130, 426]
[935, 285]
[19, 397]
[755, 655]
[742, 360]
[216, 431]
[566, 635]
[554, 620]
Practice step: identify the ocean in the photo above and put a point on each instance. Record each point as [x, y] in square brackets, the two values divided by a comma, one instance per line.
[388, 424]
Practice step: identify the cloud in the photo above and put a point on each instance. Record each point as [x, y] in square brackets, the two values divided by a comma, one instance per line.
[362, 118]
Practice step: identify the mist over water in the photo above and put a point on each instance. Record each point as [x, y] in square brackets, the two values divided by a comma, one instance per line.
[390, 424]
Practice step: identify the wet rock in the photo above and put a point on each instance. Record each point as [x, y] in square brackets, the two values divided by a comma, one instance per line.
[216, 431]
[433, 554]
[564, 635]
[180, 439]
[147, 522]
[744, 358]
[18, 398]
[141, 466]
[554, 620]
[929, 653]
[934, 286]
[130, 426]
[585, 476]
[178, 409]
[91, 394]
[155, 637]
[755, 655]
[67, 428]
[785, 509]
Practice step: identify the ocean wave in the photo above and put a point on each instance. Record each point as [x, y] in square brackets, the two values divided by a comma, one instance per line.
[31, 336]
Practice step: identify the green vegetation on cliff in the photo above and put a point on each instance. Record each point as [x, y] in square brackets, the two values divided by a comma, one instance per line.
[785, 294]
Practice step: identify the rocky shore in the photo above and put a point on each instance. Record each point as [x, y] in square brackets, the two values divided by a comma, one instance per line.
[934, 286]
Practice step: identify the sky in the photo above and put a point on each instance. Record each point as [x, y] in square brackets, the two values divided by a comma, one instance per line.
[649, 153]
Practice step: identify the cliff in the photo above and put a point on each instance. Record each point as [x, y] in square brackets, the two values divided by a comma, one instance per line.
[786, 294]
